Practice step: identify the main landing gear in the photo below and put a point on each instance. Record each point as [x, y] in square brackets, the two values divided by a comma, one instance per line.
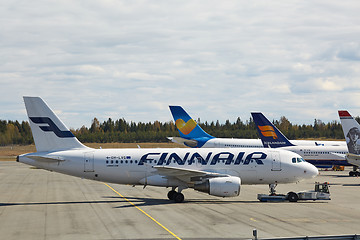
[176, 196]
[354, 172]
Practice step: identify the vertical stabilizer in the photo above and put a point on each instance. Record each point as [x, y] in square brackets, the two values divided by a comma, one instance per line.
[187, 127]
[351, 129]
[269, 134]
[48, 131]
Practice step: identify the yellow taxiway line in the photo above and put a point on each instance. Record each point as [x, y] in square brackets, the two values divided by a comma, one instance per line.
[144, 212]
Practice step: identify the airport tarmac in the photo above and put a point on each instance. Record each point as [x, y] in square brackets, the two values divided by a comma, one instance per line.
[38, 204]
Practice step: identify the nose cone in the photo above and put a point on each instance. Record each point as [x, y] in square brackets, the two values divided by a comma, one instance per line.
[311, 171]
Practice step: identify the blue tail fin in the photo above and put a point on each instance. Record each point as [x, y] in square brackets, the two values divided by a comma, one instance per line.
[269, 134]
[187, 127]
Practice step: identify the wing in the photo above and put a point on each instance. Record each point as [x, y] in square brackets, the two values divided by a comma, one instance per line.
[186, 175]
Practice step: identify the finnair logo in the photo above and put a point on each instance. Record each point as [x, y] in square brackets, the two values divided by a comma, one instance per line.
[268, 131]
[226, 158]
[51, 127]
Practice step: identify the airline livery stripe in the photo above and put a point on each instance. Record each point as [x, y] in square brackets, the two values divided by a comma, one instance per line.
[144, 212]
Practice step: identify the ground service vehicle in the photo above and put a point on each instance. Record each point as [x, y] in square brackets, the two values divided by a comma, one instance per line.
[321, 192]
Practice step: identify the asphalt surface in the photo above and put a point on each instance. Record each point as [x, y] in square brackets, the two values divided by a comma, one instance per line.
[38, 204]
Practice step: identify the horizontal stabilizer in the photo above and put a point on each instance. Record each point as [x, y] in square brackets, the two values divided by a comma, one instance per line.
[46, 158]
[342, 155]
[187, 142]
[353, 159]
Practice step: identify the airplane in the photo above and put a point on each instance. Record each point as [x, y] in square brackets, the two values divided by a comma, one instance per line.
[351, 129]
[323, 156]
[218, 172]
[192, 135]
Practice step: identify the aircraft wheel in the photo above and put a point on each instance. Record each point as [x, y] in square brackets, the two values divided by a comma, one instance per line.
[179, 197]
[351, 174]
[171, 194]
[293, 197]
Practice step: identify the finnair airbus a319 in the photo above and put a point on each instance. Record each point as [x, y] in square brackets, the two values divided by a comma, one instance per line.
[219, 172]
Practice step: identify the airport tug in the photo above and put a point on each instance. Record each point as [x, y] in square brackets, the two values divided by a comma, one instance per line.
[321, 192]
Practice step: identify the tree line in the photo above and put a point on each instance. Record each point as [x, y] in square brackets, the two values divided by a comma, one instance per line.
[14, 132]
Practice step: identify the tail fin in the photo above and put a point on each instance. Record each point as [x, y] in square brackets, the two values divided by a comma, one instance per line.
[187, 127]
[48, 131]
[269, 134]
[351, 129]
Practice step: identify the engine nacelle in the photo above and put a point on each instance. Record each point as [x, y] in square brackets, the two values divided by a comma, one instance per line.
[220, 186]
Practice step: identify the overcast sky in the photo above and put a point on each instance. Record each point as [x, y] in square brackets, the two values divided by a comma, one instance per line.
[218, 59]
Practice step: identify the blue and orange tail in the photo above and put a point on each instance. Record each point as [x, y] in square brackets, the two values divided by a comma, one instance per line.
[269, 134]
[187, 127]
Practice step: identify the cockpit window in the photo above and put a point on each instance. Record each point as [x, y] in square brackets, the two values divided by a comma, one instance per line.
[295, 160]
[300, 160]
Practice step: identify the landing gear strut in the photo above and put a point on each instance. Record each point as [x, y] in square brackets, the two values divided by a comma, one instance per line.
[176, 196]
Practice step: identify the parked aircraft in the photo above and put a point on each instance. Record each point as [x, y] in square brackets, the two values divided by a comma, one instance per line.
[218, 172]
[320, 155]
[351, 129]
[192, 135]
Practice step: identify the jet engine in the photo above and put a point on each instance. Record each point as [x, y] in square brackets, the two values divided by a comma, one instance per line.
[220, 186]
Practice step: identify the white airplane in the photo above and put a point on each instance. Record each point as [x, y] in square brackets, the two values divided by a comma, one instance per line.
[351, 129]
[192, 135]
[218, 172]
[319, 155]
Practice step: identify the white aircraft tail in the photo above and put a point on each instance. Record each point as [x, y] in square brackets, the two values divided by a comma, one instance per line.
[351, 129]
[49, 132]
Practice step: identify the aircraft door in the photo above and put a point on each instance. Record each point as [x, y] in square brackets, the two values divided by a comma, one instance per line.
[89, 162]
[276, 161]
